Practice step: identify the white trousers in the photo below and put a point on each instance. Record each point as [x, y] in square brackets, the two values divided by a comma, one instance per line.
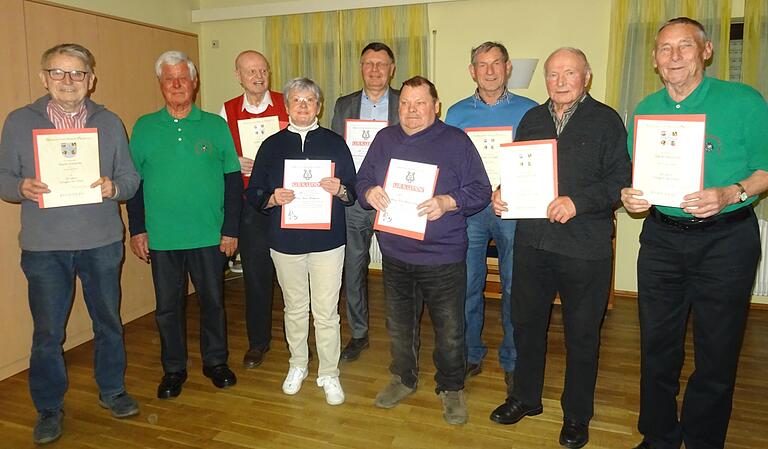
[312, 279]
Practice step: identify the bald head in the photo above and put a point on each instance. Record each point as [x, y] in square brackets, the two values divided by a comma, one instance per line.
[252, 71]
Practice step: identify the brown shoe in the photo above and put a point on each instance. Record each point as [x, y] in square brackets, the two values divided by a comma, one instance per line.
[254, 357]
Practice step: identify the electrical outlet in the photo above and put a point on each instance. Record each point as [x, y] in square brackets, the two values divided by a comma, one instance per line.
[215, 43]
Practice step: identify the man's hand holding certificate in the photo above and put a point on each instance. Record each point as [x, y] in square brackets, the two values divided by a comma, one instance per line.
[359, 134]
[305, 199]
[528, 178]
[668, 157]
[67, 167]
[406, 200]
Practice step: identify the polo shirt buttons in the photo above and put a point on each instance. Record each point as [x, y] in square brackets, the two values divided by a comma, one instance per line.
[677, 106]
[179, 139]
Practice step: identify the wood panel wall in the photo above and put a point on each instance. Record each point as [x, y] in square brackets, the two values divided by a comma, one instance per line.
[125, 53]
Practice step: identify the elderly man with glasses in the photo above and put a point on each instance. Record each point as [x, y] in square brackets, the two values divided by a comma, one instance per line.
[59, 243]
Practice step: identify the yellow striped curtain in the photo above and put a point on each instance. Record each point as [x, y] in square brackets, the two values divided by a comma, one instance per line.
[405, 29]
[633, 30]
[326, 47]
[306, 45]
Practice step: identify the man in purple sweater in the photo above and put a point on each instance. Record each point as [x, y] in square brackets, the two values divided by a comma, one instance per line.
[435, 266]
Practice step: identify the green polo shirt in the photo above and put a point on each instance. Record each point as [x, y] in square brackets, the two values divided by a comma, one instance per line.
[182, 163]
[736, 142]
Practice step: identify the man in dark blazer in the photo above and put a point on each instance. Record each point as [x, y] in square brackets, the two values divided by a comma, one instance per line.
[376, 101]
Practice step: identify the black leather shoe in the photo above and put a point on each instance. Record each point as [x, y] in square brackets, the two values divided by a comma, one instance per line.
[574, 434]
[512, 411]
[220, 375]
[254, 357]
[473, 369]
[644, 445]
[353, 349]
[170, 386]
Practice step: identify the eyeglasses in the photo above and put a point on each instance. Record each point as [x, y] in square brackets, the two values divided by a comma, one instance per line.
[309, 101]
[74, 75]
[369, 65]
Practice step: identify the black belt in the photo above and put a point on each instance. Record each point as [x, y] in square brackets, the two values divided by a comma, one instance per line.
[685, 223]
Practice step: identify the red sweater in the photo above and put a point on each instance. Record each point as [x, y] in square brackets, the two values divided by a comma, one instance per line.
[235, 112]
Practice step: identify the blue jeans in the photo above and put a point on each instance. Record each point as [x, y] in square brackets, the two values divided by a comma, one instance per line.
[51, 285]
[441, 288]
[481, 228]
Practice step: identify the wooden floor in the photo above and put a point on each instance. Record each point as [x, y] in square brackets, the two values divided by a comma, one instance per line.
[256, 414]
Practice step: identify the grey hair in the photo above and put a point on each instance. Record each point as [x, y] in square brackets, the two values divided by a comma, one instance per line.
[486, 47]
[686, 21]
[302, 84]
[572, 50]
[174, 57]
[74, 50]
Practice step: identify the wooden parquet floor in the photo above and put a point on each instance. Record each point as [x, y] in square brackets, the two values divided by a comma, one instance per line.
[256, 414]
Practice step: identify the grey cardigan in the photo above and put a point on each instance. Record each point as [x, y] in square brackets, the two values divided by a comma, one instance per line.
[73, 227]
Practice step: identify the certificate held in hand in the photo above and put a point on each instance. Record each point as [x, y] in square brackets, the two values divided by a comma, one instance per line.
[67, 160]
[488, 143]
[254, 131]
[359, 134]
[668, 157]
[528, 177]
[311, 206]
[407, 184]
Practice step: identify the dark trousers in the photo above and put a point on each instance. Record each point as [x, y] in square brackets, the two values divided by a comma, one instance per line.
[584, 287]
[709, 272]
[258, 271]
[169, 274]
[356, 260]
[441, 288]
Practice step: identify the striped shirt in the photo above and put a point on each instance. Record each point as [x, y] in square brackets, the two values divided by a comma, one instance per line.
[560, 123]
[62, 119]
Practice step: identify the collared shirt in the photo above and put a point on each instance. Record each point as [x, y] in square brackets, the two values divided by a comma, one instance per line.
[560, 123]
[62, 119]
[252, 108]
[503, 98]
[374, 111]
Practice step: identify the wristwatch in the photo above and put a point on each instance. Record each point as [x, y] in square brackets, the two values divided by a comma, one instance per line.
[742, 193]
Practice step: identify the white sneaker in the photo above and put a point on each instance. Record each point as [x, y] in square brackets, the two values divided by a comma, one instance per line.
[293, 380]
[334, 395]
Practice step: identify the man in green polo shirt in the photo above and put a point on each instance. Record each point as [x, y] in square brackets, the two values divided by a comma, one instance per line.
[185, 219]
[701, 256]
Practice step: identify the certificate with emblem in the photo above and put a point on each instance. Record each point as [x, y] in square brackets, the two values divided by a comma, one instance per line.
[488, 141]
[311, 207]
[359, 134]
[668, 157]
[254, 131]
[528, 177]
[67, 160]
[407, 184]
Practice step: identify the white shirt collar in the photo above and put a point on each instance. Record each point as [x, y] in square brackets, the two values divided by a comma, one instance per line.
[257, 108]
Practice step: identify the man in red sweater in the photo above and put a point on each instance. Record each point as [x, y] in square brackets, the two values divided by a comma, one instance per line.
[252, 72]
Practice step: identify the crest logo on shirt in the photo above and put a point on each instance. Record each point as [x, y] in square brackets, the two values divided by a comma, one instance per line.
[69, 149]
[203, 147]
[366, 134]
[712, 143]
[410, 176]
[307, 174]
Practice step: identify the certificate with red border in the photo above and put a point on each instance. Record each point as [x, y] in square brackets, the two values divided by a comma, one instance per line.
[67, 160]
[487, 142]
[311, 207]
[254, 131]
[668, 157]
[359, 134]
[407, 184]
[528, 177]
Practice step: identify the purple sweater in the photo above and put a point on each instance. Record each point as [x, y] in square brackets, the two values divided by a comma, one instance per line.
[462, 176]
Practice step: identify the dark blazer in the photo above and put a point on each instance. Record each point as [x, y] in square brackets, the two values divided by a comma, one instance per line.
[348, 106]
